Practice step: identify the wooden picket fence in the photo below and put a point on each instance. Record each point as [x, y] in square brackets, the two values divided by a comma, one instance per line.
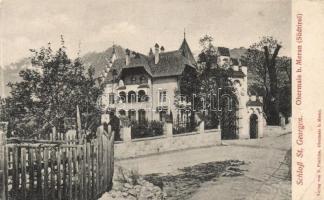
[60, 170]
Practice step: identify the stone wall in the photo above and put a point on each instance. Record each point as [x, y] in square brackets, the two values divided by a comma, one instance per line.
[276, 130]
[146, 146]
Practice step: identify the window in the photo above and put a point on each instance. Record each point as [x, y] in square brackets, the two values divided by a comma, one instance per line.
[122, 113]
[133, 80]
[141, 96]
[131, 97]
[162, 96]
[132, 115]
[122, 97]
[111, 98]
[162, 115]
[141, 116]
[143, 79]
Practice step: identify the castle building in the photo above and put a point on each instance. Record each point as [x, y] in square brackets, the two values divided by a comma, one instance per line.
[143, 87]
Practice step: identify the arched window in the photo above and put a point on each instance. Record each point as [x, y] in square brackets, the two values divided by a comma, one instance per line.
[141, 116]
[131, 97]
[122, 97]
[162, 96]
[143, 79]
[133, 80]
[162, 115]
[141, 96]
[132, 115]
[229, 83]
[122, 113]
[253, 126]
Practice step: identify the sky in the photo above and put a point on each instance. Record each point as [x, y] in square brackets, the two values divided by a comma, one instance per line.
[139, 24]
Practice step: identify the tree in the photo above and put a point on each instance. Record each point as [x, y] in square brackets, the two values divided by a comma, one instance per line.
[284, 70]
[207, 58]
[3, 110]
[214, 82]
[284, 84]
[50, 91]
[189, 86]
[212, 76]
[266, 69]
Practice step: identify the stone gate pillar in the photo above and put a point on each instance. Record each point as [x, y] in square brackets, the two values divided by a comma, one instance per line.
[260, 125]
[126, 134]
[243, 122]
[168, 129]
[254, 106]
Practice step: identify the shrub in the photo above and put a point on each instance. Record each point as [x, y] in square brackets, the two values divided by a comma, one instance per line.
[184, 128]
[124, 176]
[125, 122]
[146, 129]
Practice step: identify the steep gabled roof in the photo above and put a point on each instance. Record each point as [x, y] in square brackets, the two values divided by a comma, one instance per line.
[139, 60]
[171, 63]
[185, 50]
[115, 68]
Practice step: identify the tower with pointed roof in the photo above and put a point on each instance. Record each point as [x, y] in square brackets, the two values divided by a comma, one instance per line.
[114, 55]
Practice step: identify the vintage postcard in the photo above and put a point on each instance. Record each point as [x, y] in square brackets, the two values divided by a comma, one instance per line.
[161, 99]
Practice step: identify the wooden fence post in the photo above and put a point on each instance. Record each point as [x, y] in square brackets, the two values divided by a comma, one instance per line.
[3, 160]
[78, 126]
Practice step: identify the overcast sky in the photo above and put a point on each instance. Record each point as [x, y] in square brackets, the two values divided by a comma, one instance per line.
[139, 24]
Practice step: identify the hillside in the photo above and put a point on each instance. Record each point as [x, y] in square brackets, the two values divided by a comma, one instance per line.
[98, 60]
[237, 52]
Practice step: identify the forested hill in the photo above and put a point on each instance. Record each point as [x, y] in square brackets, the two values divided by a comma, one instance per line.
[98, 60]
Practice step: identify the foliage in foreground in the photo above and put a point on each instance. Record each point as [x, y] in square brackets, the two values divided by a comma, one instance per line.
[50, 91]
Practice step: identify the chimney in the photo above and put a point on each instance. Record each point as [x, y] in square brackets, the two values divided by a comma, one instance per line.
[235, 67]
[114, 55]
[151, 52]
[244, 70]
[260, 99]
[162, 49]
[157, 56]
[127, 56]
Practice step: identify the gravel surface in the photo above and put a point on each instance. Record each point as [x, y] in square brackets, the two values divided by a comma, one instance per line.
[183, 185]
[188, 174]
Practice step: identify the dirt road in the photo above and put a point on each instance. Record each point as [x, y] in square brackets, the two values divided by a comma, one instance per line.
[265, 175]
